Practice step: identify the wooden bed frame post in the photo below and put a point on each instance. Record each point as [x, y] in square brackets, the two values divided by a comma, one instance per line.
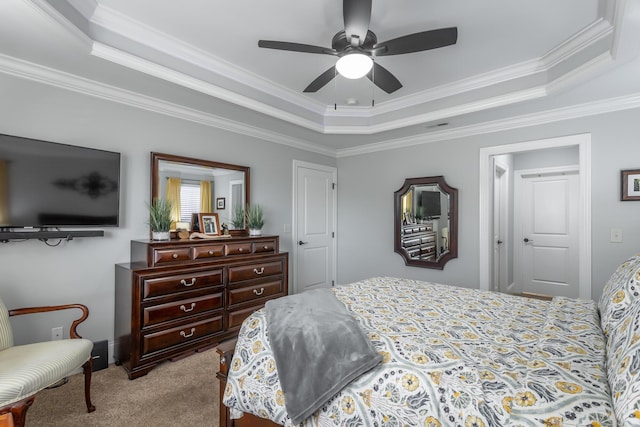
[225, 351]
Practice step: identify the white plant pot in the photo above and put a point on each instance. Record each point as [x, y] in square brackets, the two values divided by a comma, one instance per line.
[161, 235]
[255, 232]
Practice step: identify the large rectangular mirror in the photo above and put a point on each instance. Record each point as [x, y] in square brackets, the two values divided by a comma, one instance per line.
[198, 185]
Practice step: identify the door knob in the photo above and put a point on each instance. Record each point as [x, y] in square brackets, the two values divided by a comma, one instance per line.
[526, 240]
[300, 242]
[499, 242]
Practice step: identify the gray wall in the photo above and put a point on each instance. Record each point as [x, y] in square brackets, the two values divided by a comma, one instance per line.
[83, 270]
[367, 183]
[549, 158]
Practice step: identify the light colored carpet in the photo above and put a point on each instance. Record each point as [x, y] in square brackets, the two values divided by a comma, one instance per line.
[184, 392]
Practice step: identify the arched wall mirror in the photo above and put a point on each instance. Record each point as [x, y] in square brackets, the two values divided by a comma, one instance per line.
[206, 186]
[426, 222]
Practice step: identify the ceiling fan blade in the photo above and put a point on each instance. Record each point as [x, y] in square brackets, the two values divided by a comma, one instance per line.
[382, 78]
[321, 80]
[417, 42]
[357, 17]
[295, 47]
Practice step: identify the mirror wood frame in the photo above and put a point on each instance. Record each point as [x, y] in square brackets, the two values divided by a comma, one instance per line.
[453, 222]
[156, 158]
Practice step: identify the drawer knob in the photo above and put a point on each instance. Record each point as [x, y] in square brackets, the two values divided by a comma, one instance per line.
[258, 292]
[265, 247]
[210, 252]
[174, 256]
[185, 335]
[240, 249]
[186, 310]
[184, 282]
[255, 270]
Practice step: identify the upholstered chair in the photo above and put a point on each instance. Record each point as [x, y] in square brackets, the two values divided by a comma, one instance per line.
[27, 369]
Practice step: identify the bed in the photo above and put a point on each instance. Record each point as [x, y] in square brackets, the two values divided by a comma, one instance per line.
[458, 356]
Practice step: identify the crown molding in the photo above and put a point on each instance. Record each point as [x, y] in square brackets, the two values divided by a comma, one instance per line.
[590, 36]
[443, 113]
[56, 78]
[141, 34]
[54, 13]
[277, 101]
[136, 63]
[66, 81]
[604, 106]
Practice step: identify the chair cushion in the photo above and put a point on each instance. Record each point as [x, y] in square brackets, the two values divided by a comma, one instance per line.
[27, 369]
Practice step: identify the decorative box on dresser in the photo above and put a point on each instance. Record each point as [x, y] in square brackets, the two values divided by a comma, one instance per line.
[180, 296]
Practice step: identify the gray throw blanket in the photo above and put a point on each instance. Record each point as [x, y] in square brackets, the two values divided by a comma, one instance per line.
[318, 347]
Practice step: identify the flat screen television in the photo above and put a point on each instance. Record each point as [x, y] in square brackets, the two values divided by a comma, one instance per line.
[50, 185]
[431, 204]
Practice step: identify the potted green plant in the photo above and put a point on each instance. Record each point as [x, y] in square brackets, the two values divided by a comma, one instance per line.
[238, 218]
[254, 216]
[160, 219]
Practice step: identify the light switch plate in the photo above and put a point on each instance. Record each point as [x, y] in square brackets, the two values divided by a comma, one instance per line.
[616, 235]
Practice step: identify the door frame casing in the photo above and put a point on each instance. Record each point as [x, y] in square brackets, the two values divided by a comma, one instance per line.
[297, 164]
[583, 142]
[504, 225]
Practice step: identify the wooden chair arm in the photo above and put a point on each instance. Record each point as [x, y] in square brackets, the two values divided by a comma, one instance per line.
[72, 330]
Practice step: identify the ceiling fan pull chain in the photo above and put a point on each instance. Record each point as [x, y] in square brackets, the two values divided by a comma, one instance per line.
[335, 89]
[373, 87]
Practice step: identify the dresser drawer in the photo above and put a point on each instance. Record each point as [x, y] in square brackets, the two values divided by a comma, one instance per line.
[202, 252]
[179, 309]
[431, 249]
[179, 283]
[239, 248]
[236, 317]
[429, 239]
[181, 335]
[266, 246]
[165, 256]
[253, 271]
[254, 292]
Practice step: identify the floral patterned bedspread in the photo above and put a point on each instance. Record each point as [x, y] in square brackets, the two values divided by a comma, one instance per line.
[452, 356]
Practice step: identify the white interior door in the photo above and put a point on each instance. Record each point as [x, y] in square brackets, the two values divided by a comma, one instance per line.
[547, 219]
[315, 218]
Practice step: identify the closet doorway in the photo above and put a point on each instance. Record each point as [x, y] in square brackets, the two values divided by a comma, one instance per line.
[502, 271]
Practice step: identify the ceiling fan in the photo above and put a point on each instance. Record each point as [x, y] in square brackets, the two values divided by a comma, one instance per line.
[360, 45]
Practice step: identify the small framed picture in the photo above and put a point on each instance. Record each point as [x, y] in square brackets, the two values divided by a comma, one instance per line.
[209, 223]
[220, 203]
[630, 184]
[195, 222]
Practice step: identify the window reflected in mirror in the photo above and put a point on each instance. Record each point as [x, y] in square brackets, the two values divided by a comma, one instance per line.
[193, 189]
[195, 186]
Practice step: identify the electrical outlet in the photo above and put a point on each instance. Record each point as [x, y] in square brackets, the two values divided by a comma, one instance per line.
[56, 333]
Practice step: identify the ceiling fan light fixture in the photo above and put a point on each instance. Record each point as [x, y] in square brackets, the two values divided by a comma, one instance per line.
[354, 65]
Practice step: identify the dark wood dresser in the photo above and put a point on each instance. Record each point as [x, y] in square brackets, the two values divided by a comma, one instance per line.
[180, 296]
[419, 240]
